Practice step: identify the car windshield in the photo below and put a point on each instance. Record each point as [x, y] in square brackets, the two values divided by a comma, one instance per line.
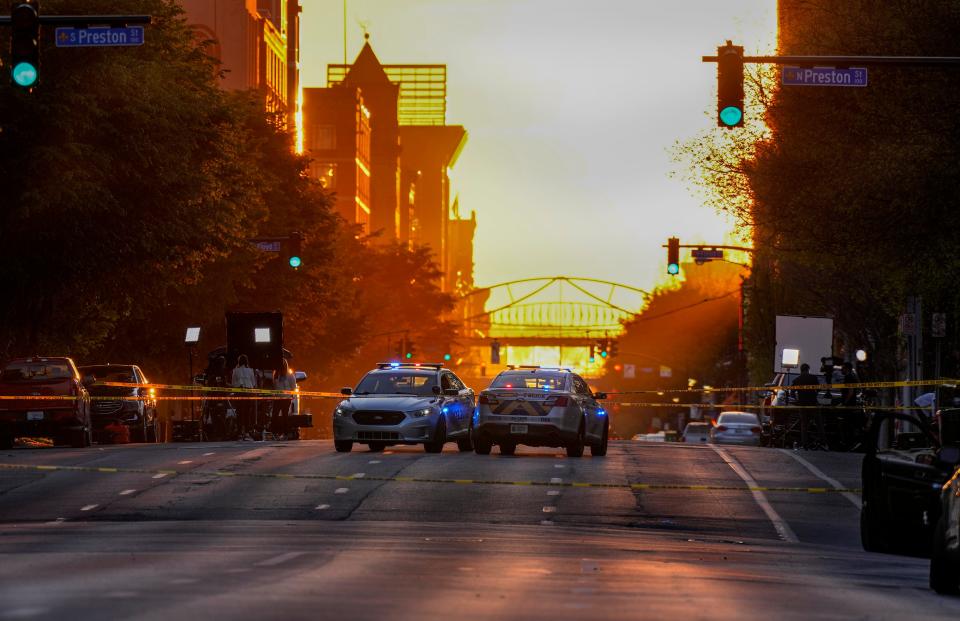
[33, 371]
[397, 383]
[529, 380]
[105, 373]
[747, 419]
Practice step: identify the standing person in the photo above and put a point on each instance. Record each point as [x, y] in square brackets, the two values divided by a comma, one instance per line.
[283, 379]
[852, 420]
[243, 377]
[807, 399]
[213, 411]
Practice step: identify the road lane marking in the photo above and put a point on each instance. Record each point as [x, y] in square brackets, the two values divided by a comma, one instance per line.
[835, 484]
[341, 490]
[546, 522]
[185, 462]
[321, 507]
[556, 480]
[359, 475]
[559, 466]
[277, 560]
[183, 581]
[636, 485]
[783, 529]
[208, 454]
[127, 492]
[553, 492]
[549, 509]
[89, 507]
[374, 461]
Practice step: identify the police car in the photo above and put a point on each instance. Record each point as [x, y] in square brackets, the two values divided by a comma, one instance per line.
[540, 406]
[405, 404]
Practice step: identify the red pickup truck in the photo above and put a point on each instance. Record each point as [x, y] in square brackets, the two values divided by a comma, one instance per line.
[27, 409]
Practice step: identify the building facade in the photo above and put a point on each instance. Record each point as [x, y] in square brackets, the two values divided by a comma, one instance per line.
[257, 45]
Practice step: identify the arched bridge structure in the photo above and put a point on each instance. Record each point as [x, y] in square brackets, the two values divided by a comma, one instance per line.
[549, 311]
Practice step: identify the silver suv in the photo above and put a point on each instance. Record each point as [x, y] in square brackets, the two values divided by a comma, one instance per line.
[405, 404]
[540, 406]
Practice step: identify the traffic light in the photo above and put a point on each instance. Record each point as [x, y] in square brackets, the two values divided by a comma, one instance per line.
[602, 347]
[673, 256]
[495, 352]
[408, 349]
[593, 353]
[730, 85]
[447, 357]
[399, 350]
[25, 43]
[294, 248]
[614, 348]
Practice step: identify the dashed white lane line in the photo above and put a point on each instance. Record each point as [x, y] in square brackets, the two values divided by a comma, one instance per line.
[553, 492]
[783, 529]
[559, 465]
[549, 509]
[556, 480]
[853, 498]
[183, 581]
[23, 613]
[374, 461]
[321, 507]
[546, 522]
[127, 492]
[277, 560]
[160, 475]
[388, 452]
[185, 462]
[209, 454]
[341, 490]
[55, 522]
[122, 594]
[359, 475]
[89, 507]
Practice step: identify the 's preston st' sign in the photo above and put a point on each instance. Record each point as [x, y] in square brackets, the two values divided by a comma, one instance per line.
[824, 76]
[99, 37]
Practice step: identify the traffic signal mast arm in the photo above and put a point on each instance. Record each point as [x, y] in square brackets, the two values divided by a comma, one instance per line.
[84, 21]
[712, 247]
[848, 61]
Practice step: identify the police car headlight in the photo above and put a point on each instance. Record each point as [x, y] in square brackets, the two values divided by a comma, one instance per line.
[423, 412]
[341, 411]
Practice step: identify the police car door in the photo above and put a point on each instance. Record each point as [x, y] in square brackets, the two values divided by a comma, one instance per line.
[588, 405]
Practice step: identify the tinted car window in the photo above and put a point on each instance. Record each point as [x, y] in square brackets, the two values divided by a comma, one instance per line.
[530, 380]
[32, 371]
[111, 373]
[397, 383]
[580, 386]
[749, 419]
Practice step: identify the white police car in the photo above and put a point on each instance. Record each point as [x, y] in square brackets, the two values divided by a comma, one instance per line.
[540, 406]
[405, 404]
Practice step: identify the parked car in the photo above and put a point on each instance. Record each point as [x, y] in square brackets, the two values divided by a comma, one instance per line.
[904, 473]
[540, 406]
[133, 405]
[736, 428]
[405, 404]
[696, 433]
[945, 556]
[64, 415]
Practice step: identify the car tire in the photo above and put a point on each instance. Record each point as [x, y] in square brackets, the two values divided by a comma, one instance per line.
[439, 438]
[944, 572]
[6, 441]
[465, 444]
[81, 438]
[153, 431]
[508, 448]
[376, 447]
[575, 448]
[343, 446]
[600, 449]
[482, 445]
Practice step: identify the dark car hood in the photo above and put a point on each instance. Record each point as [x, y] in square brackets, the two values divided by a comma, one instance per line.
[397, 403]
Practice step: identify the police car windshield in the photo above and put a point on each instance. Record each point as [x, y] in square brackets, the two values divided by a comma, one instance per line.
[538, 381]
[397, 383]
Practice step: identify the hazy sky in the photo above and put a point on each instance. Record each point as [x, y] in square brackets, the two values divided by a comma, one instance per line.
[571, 108]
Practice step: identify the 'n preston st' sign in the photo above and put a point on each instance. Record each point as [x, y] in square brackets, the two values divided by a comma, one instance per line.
[824, 76]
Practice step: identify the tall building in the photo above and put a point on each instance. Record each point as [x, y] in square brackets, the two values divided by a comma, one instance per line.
[337, 138]
[257, 44]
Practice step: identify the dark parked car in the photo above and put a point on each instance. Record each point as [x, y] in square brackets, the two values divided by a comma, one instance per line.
[134, 405]
[903, 478]
[53, 402]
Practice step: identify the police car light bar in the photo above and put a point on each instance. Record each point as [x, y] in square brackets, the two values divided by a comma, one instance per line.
[409, 365]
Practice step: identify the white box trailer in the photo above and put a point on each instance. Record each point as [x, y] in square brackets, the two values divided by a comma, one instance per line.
[806, 339]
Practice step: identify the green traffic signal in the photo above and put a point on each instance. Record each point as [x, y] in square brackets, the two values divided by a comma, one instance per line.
[295, 262]
[408, 356]
[446, 356]
[731, 116]
[673, 269]
[603, 354]
[24, 74]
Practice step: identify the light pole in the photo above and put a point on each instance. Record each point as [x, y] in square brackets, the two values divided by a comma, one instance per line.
[190, 340]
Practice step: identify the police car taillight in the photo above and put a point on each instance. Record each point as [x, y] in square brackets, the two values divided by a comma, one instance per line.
[556, 402]
[488, 400]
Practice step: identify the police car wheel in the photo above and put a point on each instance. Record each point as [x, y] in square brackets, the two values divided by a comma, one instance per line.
[482, 445]
[944, 572]
[6, 441]
[600, 449]
[508, 448]
[439, 438]
[575, 448]
[343, 446]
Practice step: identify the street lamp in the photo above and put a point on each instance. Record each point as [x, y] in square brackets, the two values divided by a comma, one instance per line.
[861, 355]
[191, 339]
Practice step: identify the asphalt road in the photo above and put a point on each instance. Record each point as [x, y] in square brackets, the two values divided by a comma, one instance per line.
[273, 530]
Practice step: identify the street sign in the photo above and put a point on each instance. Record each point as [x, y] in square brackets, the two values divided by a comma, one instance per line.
[666, 371]
[824, 76]
[704, 254]
[629, 371]
[268, 246]
[99, 37]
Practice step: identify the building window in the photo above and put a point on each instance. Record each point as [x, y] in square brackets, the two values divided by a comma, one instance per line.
[322, 137]
[327, 175]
